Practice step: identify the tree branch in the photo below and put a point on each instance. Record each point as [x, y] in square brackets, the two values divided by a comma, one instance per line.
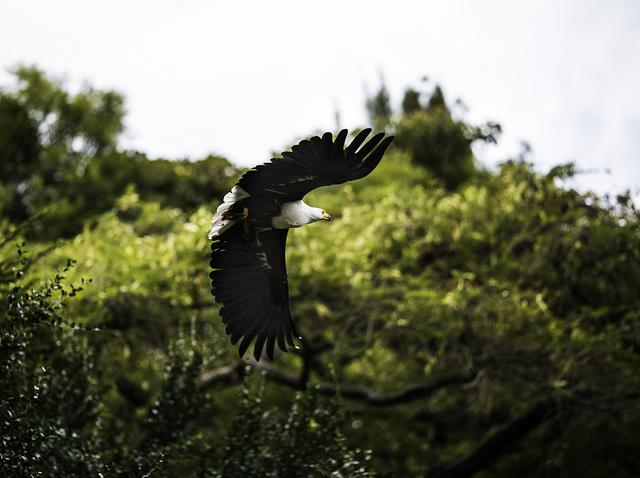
[227, 376]
[414, 392]
[233, 374]
[496, 445]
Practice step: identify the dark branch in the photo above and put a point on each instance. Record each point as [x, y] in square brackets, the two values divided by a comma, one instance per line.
[233, 374]
[415, 392]
[226, 376]
[490, 451]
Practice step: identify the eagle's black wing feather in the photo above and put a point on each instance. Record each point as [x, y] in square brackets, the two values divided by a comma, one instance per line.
[314, 163]
[249, 273]
[249, 278]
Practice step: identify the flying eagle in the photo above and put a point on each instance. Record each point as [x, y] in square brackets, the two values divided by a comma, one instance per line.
[249, 232]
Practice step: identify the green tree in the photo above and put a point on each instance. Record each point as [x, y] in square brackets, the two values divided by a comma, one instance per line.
[411, 101]
[59, 151]
[379, 108]
[51, 136]
[19, 140]
[55, 405]
[482, 327]
[437, 140]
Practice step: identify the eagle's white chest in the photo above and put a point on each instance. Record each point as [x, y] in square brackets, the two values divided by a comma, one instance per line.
[293, 214]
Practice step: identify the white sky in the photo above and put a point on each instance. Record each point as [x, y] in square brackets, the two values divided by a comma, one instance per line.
[244, 78]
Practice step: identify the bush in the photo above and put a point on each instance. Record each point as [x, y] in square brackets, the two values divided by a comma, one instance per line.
[59, 417]
[305, 443]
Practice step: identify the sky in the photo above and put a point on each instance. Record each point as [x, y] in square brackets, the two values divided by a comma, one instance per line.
[245, 78]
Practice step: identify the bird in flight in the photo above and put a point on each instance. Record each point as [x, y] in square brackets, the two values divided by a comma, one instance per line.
[249, 233]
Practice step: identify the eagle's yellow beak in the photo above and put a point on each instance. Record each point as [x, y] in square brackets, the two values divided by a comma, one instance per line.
[325, 216]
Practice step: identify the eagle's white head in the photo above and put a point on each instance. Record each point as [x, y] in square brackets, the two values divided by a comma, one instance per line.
[318, 214]
[298, 213]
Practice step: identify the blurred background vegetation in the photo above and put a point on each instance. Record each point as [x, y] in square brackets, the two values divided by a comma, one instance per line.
[460, 321]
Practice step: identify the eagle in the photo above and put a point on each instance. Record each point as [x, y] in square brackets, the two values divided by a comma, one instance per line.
[249, 233]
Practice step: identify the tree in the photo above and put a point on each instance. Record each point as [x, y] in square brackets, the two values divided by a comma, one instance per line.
[411, 101]
[54, 404]
[59, 150]
[51, 136]
[379, 107]
[487, 329]
[19, 140]
[438, 141]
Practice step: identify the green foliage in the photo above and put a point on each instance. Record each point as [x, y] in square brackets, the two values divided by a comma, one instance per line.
[431, 268]
[305, 443]
[52, 134]
[55, 406]
[437, 140]
[495, 277]
[59, 151]
[428, 131]
[19, 144]
[48, 394]
[87, 122]
[411, 101]
[379, 108]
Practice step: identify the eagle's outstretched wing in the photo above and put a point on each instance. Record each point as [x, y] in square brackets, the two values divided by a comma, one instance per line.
[249, 276]
[314, 163]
